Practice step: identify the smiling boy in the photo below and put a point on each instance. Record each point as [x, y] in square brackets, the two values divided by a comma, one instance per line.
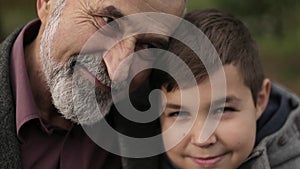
[258, 120]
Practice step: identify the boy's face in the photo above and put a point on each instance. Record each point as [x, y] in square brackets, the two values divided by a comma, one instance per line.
[231, 142]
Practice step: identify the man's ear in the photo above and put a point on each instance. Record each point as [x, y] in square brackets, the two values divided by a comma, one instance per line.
[263, 98]
[43, 9]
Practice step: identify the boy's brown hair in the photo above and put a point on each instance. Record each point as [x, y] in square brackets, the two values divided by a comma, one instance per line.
[232, 41]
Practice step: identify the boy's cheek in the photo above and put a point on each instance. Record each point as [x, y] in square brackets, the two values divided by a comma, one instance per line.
[173, 135]
[239, 137]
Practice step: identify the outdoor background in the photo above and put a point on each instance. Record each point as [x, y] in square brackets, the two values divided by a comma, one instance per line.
[274, 24]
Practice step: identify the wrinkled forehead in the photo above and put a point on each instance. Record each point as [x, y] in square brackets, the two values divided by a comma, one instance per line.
[127, 7]
[174, 7]
[142, 16]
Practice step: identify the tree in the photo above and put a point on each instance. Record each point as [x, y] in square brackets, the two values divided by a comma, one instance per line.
[263, 15]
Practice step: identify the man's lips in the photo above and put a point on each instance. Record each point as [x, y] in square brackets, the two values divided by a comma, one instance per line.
[92, 78]
[209, 161]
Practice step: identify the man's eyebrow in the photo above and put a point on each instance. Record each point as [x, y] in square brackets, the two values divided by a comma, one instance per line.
[113, 11]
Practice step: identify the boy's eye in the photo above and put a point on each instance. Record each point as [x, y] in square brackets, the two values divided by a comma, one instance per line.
[179, 114]
[221, 110]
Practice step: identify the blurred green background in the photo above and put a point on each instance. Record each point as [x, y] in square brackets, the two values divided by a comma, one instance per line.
[275, 25]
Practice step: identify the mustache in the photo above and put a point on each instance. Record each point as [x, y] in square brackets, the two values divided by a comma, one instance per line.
[93, 63]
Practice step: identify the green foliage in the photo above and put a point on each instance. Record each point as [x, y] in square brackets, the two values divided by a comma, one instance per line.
[263, 16]
[276, 27]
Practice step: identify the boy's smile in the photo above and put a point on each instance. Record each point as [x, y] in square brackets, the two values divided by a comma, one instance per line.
[232, 141]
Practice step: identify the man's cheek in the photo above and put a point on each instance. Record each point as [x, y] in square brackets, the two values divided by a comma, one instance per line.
[118, 59]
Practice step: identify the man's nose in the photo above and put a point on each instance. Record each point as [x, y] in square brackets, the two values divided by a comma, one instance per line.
[116, 55]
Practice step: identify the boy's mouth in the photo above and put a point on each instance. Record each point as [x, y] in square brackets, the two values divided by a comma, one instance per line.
[209, 161]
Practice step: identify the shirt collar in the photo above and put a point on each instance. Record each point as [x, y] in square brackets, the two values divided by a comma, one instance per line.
[26, 108]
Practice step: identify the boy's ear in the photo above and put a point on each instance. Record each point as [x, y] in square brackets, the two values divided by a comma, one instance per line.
[43, 9]
[263, 98]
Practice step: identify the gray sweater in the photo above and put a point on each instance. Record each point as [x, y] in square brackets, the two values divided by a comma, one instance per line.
[10, 154]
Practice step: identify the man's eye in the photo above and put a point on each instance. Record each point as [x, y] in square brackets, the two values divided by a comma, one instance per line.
[141, 45]
[103, 20]
[107, 19]
[145, 51]
[147, 46]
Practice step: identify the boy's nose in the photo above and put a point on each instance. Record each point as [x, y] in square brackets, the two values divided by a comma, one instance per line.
[118, 54]
[196, 139]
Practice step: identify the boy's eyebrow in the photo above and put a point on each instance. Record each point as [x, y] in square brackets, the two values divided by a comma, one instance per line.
[227, 99]
[174, 106]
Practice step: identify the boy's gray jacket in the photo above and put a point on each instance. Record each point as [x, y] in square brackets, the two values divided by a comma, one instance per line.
[281, 150]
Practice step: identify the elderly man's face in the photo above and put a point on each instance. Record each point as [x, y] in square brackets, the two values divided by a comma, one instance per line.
[68, 27]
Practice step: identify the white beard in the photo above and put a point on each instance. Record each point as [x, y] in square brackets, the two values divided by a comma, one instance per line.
[75, 97]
